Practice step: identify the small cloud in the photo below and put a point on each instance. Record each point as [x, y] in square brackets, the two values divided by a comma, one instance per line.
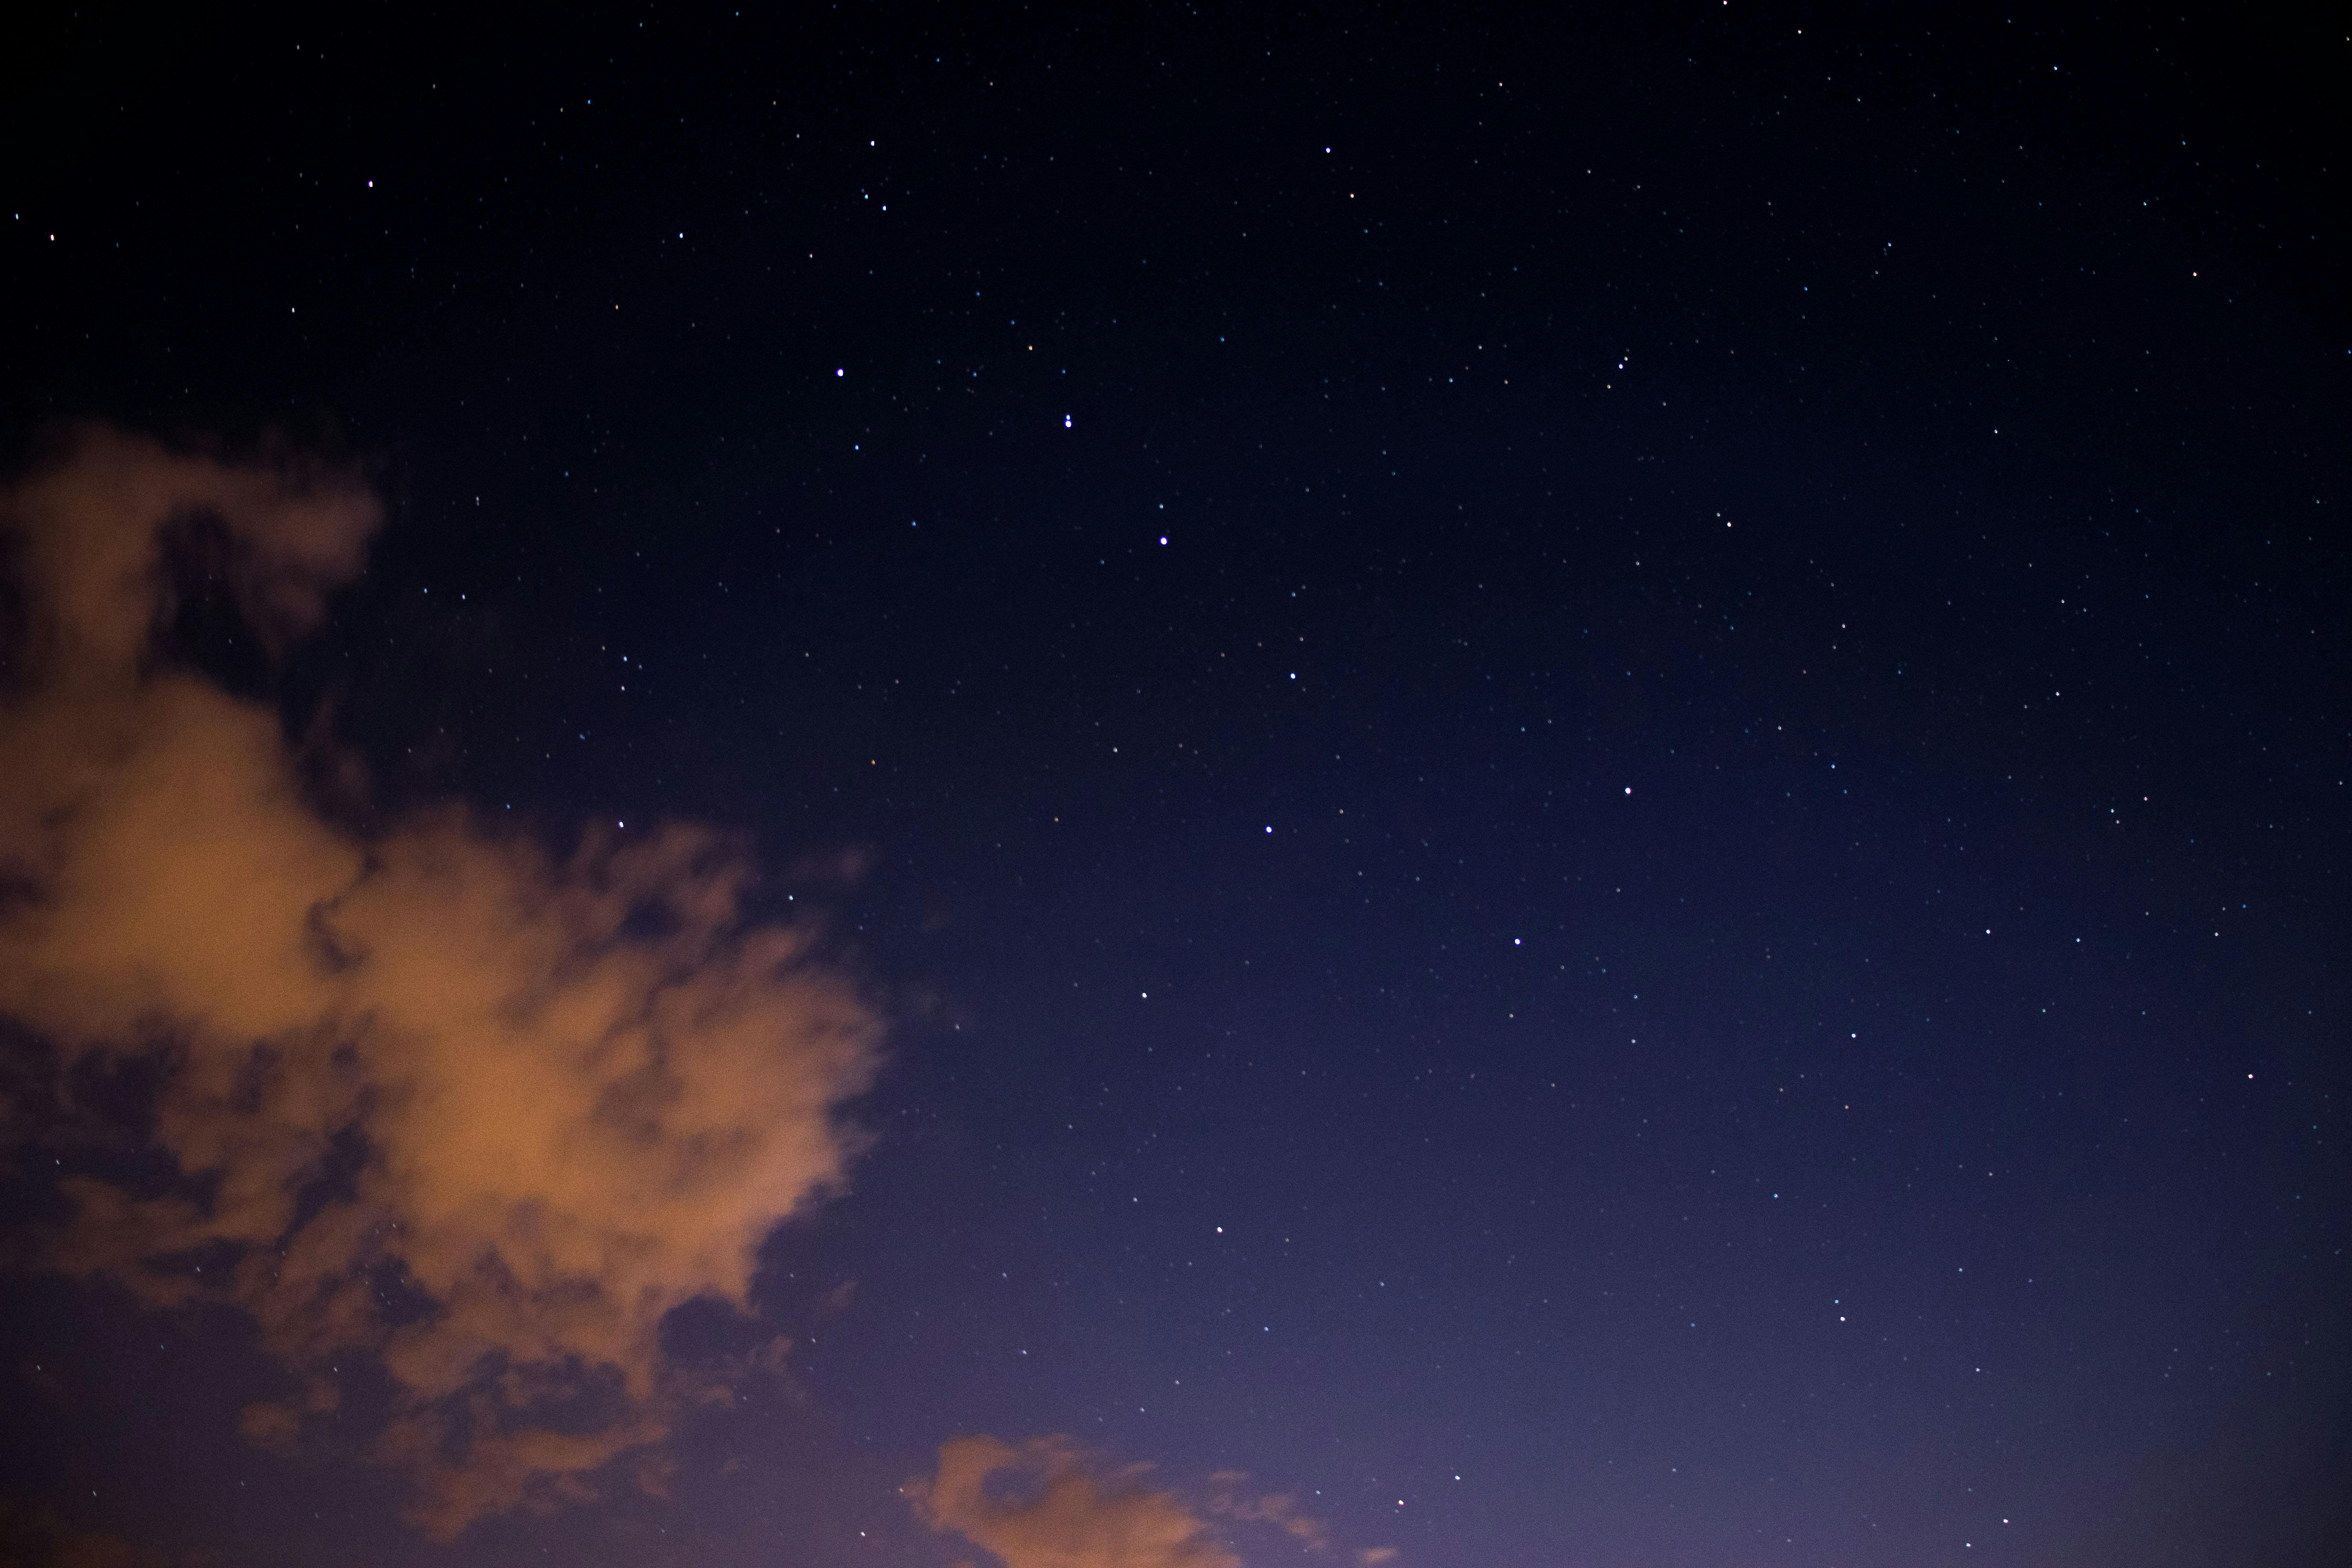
[268, 1426]
[657, 1475]
[1047, 1504]
[1279, 1509]
[1374, 1556]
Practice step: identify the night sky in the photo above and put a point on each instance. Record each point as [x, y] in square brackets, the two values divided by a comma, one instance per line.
[1165, 787]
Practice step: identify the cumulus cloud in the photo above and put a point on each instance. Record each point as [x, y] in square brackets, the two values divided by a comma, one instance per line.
[433, 1092]
[1044, 1505]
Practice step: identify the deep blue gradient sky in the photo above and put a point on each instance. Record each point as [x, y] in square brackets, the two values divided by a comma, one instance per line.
[1595, 763]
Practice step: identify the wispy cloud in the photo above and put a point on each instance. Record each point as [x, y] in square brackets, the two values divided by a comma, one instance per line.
[1229, 1497]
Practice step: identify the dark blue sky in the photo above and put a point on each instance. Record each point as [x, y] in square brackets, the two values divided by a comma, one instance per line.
[1594, 763]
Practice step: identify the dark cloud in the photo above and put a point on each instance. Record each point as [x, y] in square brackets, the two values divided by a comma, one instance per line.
[34, 1537]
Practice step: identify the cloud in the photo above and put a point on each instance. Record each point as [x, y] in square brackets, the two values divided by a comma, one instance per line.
[36, 1537]
[1280, 1510]
[1045, 1505]
[434, 1093]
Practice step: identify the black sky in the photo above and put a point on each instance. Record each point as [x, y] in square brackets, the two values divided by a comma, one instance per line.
[1594, 760]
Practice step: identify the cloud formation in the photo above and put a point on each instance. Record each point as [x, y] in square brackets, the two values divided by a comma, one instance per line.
[434, 1093]
[1044, 1505]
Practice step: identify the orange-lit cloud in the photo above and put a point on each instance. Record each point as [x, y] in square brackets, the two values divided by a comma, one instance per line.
[1044, 1505]
[551, 1097]
[1048, 1503]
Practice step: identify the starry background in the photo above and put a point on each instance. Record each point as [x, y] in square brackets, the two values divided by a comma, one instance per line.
[1598, 757]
